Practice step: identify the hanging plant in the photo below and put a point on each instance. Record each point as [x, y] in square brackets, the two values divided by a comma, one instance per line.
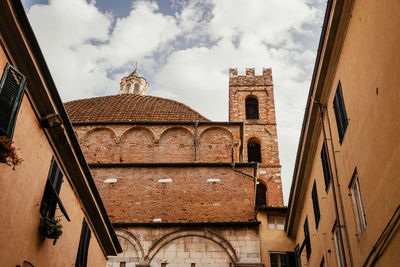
[7, 152]
[51, 228]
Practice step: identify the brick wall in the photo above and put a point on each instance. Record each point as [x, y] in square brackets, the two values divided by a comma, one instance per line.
[160, 143]
[176, 194]
[262, 130]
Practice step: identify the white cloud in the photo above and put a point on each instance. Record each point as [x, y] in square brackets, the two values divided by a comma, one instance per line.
[186, 56]
[82, 49]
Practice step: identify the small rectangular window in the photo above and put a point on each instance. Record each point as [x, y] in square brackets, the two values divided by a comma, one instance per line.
[337, 236]
[12, 87]
[357, 203]
[307, 240]
[326, 165]
[276, 223]
[340, 112]
[317, 214]
[83, 248]
[51, 192]
[278, 259]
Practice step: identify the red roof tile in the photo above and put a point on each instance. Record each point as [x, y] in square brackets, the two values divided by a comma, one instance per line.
[130, 107]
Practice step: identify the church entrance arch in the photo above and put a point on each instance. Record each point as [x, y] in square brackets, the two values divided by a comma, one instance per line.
[203, 234]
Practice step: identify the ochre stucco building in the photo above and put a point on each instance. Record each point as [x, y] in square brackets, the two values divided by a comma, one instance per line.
[53, 179]
[344, 202]
[180, 189]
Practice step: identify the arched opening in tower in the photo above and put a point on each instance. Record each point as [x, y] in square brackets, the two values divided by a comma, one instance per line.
[253, 152]
[261, 195]
[251, 108]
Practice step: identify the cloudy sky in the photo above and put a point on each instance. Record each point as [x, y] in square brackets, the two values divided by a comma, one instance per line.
[184, 49]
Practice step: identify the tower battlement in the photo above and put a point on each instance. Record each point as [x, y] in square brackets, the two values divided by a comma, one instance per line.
[250, 78]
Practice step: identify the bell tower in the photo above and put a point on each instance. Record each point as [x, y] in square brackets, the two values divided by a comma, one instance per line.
[133, 84]
[251, 100]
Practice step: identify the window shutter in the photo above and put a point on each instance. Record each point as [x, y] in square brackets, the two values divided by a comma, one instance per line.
[325, 165]
[83, 249]
[291, 259]
[317, 214]
[12, 87]
[307, 238]
[297, 252]
[52, 190]
[340, 112]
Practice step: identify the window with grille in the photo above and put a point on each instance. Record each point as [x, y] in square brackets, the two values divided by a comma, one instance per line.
[340, 112]
[253, 152]
[278, 259]
[325, 165]
[357, 203]
[12, 87]
[251, 108]
[83, 248]
[51, 192]
[314, 196]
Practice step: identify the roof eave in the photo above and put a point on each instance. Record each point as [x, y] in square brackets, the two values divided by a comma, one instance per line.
[332, 36]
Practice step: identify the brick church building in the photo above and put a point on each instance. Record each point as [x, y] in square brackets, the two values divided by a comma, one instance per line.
[182, 190]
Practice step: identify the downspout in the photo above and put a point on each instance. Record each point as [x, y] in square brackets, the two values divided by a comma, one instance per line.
[340, 193]
[196, 124]
[242, 140]
[338, 224]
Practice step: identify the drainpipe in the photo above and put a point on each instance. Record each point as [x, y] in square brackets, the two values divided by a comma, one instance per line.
[242, 140]
[333, 183]
[255, 181]
[339, 192]
[196, 124]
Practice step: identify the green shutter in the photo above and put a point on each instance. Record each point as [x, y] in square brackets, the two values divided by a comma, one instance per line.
[12, 87]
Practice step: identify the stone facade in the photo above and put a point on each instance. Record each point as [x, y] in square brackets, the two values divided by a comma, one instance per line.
[182, 247]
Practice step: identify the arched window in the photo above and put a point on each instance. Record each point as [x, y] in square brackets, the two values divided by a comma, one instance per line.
[136, 88]
[251, 108]
[128, 86]
[261, 196]
[253, 151]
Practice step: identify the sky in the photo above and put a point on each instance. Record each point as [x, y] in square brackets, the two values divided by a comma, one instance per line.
[184, 49]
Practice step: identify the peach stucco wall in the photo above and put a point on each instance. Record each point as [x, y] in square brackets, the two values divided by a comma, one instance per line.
[368, 69]
[21, 192]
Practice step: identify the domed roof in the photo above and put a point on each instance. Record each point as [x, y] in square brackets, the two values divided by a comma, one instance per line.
[130, 107]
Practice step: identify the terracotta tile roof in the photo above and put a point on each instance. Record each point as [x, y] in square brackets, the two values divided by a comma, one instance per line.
[130, 107]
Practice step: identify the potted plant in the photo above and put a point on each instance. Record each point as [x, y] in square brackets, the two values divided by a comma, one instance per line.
[7, 152]
[51, 228]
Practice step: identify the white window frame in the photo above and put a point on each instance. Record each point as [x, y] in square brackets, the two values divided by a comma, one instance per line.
[337, 236]
[358, 204]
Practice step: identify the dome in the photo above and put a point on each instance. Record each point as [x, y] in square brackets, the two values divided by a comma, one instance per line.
[130, 107]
